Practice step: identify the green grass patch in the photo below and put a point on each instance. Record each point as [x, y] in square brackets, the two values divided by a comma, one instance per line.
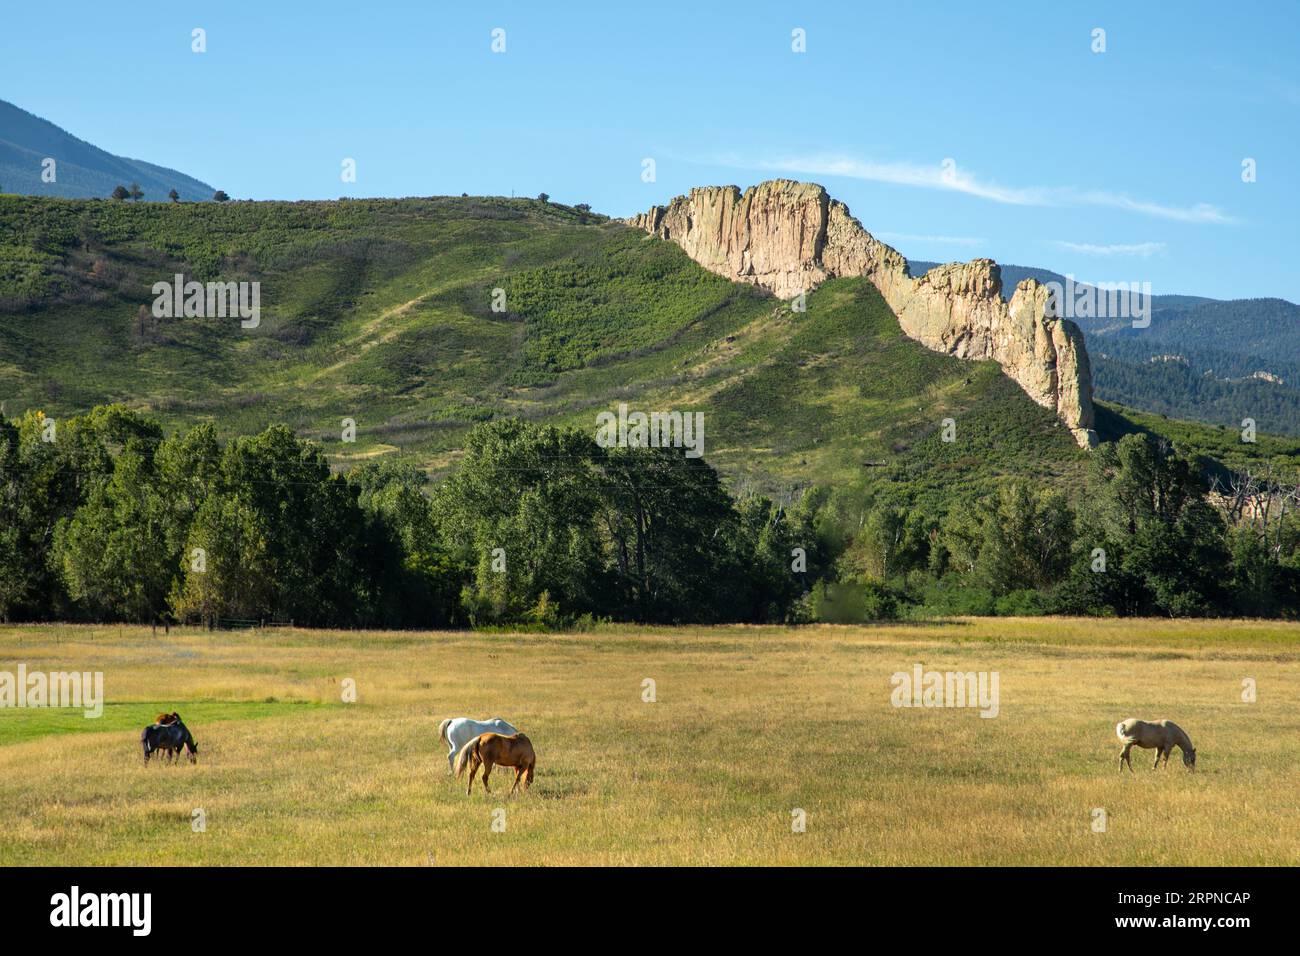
[31, 723]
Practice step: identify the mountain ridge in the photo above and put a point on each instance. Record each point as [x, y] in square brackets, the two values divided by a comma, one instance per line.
[82, 170]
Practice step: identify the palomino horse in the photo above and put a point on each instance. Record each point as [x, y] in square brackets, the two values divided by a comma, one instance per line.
[456, 732]
[490, 749]
[170, 737]
[1162, 735]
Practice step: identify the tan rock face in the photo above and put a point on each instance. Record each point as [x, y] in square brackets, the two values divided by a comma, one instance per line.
[788, 237]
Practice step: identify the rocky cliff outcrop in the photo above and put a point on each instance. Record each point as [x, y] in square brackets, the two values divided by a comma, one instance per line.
[788, 237]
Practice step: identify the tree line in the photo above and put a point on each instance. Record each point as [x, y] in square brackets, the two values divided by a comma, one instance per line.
[135, 193]
[102, 517]
[105, 518]
[1146, 534]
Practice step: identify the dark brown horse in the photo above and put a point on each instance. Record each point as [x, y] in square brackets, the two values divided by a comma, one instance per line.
[488, 750]
[170, 737]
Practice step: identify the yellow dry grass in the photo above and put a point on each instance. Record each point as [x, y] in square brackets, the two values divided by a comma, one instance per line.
[749, 725]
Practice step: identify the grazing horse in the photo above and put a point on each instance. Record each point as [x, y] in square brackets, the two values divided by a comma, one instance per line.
[1162, 735]
[490, 749]
[169, 737]
[456, 732]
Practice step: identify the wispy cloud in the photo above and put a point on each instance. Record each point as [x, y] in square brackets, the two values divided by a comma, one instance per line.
[1143, 250]
[1200, 212]
[936, 240]
[947, 175]
[939, 176]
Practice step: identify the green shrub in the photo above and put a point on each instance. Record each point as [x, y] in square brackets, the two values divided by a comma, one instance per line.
[853, 602]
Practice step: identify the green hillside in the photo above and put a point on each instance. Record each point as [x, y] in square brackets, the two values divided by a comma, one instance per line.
[381, 311]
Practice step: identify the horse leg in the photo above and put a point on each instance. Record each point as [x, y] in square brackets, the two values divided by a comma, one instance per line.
[473, 769]
[451, 760]
[1159, 753]
[487, 769]
[519, 773]
[1125, 759]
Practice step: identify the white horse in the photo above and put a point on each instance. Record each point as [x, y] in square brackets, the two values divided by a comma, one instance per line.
[456, 732]
[1162, 736]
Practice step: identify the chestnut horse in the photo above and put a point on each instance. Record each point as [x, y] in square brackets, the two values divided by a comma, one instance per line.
[487, 750]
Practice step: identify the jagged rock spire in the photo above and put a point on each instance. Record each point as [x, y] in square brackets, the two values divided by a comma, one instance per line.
[787, 237]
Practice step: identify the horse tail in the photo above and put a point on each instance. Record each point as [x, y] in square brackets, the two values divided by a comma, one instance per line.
[1119, 730]
[144, 742]
[463, 758]
[442, 731]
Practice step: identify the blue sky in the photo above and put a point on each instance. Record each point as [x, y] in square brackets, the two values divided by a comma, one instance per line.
[1122, 165]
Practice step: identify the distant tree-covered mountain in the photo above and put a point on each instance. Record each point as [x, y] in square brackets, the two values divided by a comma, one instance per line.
[1266, 328]
[80, 170]
[1206, 385]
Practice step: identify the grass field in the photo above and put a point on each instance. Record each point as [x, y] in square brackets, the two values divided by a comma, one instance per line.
[748, 724]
